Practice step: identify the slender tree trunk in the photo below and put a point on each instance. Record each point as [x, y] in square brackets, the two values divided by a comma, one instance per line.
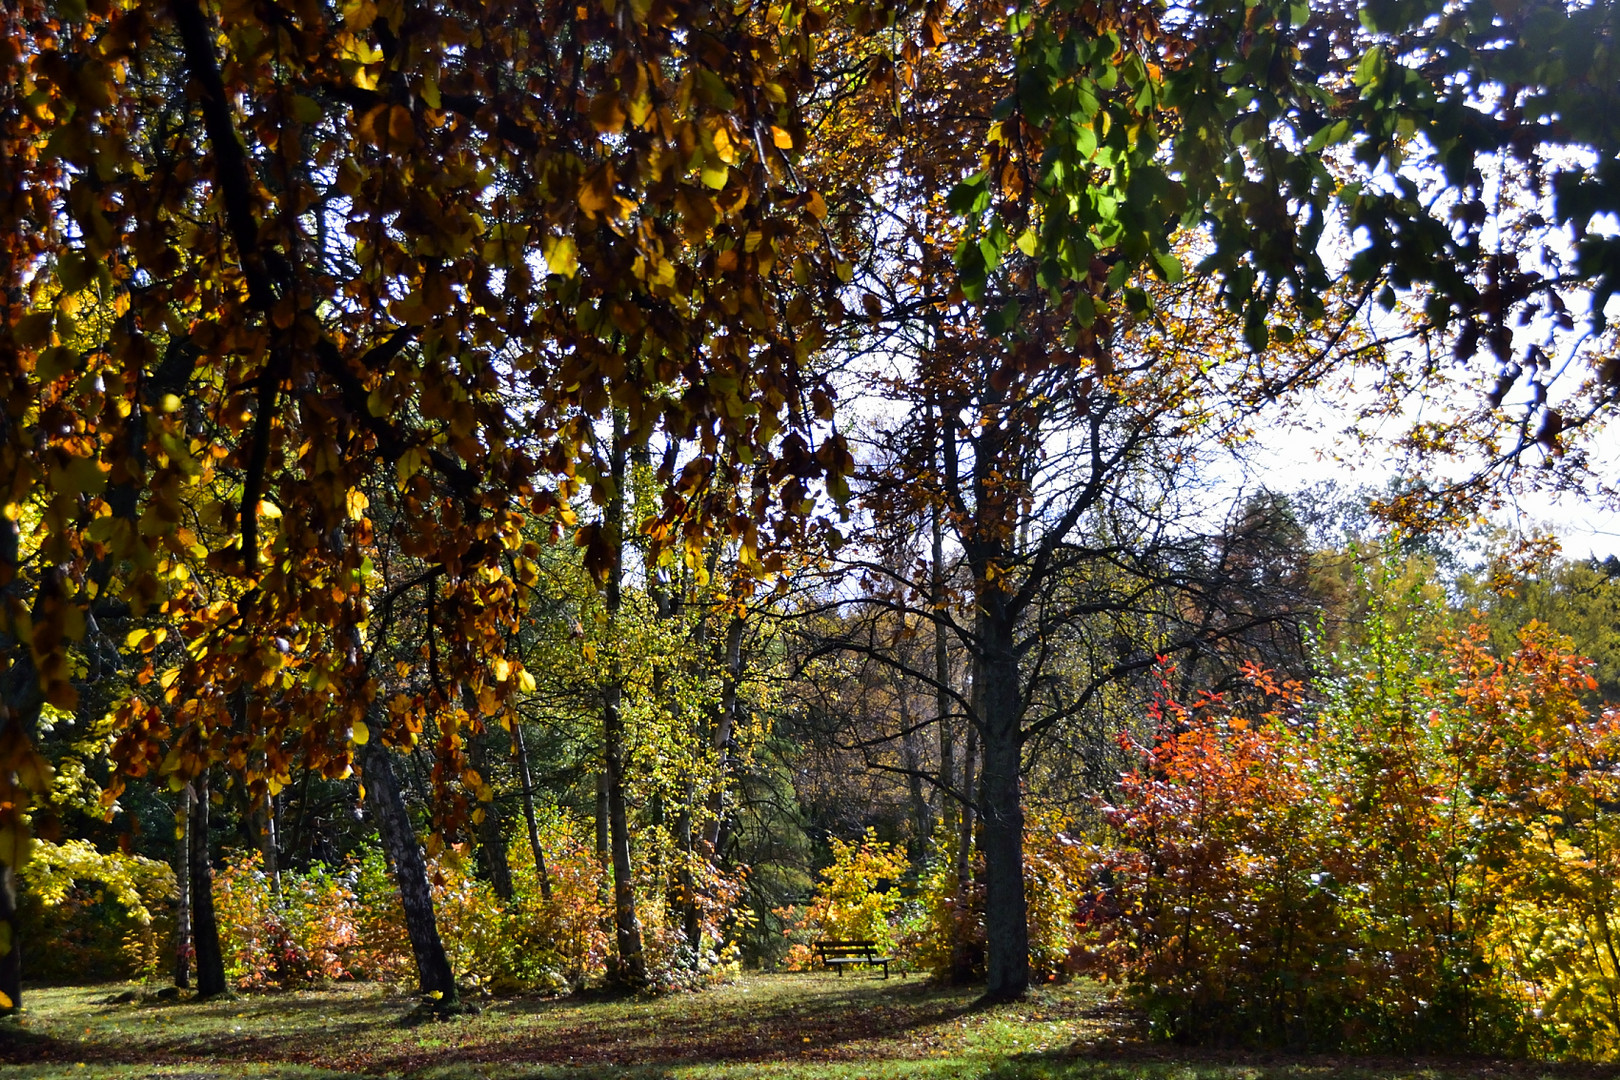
[264, 823]
[20, 704]
[1000, 799]
[942, 674]
[626, 927]
[691, 917]
[604, 847]
[911, 757]
[204, 927]
[11, 960]
[632, 967]
[961, 948]
[724, 725]
[528, 811]
[182, 877]
[491, 835]
[387, 805]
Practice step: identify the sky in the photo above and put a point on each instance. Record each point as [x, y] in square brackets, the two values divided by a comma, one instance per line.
[1288, 458]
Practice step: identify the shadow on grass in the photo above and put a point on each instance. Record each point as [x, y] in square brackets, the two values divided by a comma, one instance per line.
[658, 1035]
[1159, 1061]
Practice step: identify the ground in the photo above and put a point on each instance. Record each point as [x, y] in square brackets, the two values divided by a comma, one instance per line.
[818, 1027]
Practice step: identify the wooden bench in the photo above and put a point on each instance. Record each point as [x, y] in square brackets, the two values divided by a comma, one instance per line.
[838, 954]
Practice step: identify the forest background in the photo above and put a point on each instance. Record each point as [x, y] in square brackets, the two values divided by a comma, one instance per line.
[603, 492]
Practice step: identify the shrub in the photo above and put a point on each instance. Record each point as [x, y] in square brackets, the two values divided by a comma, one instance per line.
[305, 934]
[561, 942]
[105, 915]
[1427, 857]
[857, 896]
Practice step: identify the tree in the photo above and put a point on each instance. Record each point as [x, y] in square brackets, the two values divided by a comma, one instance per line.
[1085, 143]
[341, 216]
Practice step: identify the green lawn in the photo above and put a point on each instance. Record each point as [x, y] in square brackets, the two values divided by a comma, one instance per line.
[812, 1026]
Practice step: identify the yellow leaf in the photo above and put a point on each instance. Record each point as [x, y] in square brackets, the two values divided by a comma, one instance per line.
[782, 139]
[724, 149]
[359, 733]
[357, 501]
[713, 174]
[562, 257]
[410, 463]
[641, 108]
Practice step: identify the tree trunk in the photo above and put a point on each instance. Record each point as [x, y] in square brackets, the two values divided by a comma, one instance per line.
[724, 725]
[204, 927]
[264, 818]
[691, 917]
[962, 959]
[1000, 800]
[528, 811]
[182, 878]
[911, 758]
[404, 854]
[942, 676]
[11, 960]
[492, 860]
[20, 703]
[632, 968]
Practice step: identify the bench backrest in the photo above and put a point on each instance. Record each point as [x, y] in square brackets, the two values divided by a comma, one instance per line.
[846, 948]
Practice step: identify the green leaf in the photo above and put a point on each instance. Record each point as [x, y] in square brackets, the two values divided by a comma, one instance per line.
[964, 197]
[306, 110]
[1371, 68]
[1169, 267]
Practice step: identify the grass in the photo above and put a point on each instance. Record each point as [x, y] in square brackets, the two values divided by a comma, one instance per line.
[815, 1027]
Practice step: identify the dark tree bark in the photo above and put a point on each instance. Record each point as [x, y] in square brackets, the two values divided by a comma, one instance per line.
[724, 725]
[20, 703]
[631, 970]
[11, 960]
[942, 674]
[387, 805]
[182, 877]
[492, 861]
[962, 953]
[1000, 800]
[204, 927]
